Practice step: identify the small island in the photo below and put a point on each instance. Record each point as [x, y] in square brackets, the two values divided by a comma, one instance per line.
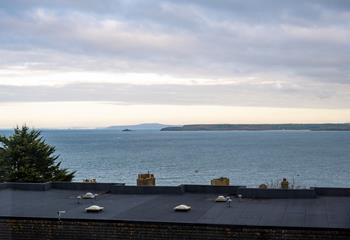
[127, 130]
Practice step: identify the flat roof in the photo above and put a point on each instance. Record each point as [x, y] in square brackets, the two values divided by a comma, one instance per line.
[320, 212]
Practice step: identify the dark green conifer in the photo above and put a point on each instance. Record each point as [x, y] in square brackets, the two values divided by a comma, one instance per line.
[26, 157]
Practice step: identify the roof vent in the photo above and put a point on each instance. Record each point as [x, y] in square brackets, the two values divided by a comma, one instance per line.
[221, 199]
[89, 195]
[94, 208]
[182, 208]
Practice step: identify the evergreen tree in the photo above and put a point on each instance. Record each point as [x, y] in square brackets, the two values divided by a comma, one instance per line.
[26, 157]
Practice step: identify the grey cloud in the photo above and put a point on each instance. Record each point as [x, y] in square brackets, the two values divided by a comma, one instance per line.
[305, 41]
[271, 94]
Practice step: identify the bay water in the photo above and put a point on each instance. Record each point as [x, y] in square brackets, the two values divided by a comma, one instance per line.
[248, 158]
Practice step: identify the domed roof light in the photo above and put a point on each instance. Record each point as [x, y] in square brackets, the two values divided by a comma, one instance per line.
[89, 195]
[182, 208]
[221, 199]
[94, 208]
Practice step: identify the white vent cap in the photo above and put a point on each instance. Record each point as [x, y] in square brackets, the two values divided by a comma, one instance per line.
[182, 207]
[89, 195]
[94, 208]
[221, 199]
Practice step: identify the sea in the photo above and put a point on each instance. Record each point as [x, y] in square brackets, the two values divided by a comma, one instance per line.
[250, 158]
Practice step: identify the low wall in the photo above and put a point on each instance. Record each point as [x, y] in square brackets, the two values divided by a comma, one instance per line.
[121, 188]
[85, 186]
[276, 193]
[51, 229]
[147, 190]
[229, 190]
[322, 191]
[59, 185]
[29, 186]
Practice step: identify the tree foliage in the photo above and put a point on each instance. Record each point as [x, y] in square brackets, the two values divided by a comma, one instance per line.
[26, 157]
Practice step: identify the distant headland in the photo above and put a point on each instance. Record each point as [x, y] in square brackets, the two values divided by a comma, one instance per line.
[142, 126]
[261, 127]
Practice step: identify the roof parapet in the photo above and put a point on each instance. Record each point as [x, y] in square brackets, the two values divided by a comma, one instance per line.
[121, 188]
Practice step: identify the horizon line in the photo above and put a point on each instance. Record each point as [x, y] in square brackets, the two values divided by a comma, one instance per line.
[110, 127]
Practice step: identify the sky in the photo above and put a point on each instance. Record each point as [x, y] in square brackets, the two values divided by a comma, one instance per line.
[100, 63]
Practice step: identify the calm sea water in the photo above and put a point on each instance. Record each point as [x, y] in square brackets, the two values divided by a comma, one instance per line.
[246, 157]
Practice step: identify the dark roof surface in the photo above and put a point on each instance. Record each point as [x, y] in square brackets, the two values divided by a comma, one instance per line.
[321, 212]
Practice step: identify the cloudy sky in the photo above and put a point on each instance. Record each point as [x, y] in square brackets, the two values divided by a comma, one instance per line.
[99, 63]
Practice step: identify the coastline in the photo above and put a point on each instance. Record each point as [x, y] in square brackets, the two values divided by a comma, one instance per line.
[261, 127]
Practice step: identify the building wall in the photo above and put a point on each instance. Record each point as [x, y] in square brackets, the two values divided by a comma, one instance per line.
[25, 229]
